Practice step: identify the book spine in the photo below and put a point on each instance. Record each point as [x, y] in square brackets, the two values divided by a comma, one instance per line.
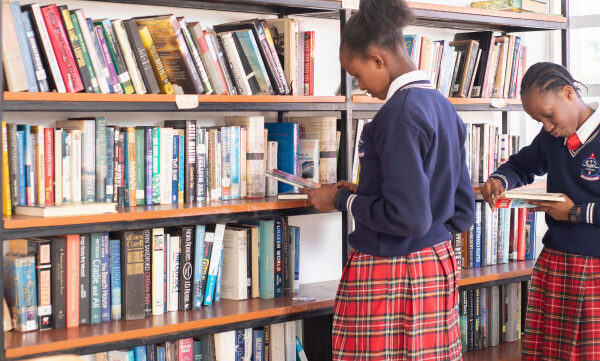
[110, 164]
[198, 263]
[158, 268]
[15, 9]
[105, 278]
[59, 291]
[215, 46]
[172, 272]
[105, 53]
[211, 279]
[34, 50]
[195, 55]
[102, 159]
[201, 165]
[84, 279]
[226, 163]
[243, 164]
[285, 245]
[117, 57]
[128, 57]
[235, 162]
[13, 165]
[210, 60]
[21, 173]
[249, 74]
[147, 272]
[115, 279]
[72, 280]
[66, 165]
[175, 169]
[131, 166]
[6, 184]
[46, 44]
[89, 159]
[148, 156]
[49, 165]
[94, 51]
[190, 161]
[248, 47]
[267, 260]
[157, 66]
[87, 61]
[278, 68]
[60, 44]
[140, 153]
[141, 56]
[86, 77]
[185, 270]
[133, 274]
[156, 166]
[181, 170]
[235, 63]
[217, 297]
[258, 337]
[40, 164]
[278, 256]
[115, 161]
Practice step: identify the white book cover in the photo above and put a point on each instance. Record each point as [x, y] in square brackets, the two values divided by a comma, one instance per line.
[47, 48]
[308, 159]
[235, 162]
[514, 319]
[166, 165]
[237, 69]
[158, 270]
[323, 129]
[248, 344]
[494, 248]
[213, 268]
[243, 160]
[41, 165]
[76, 166]
[234, 278]
[271, 164]
[225, 346]
[494, 317]
[277, 345]
[128, 56]
[58, 174]
[173, 259]
[290, 340]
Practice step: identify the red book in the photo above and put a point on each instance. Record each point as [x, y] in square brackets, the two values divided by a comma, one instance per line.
[49, 153]
[185, 349]
[522, 233]
[62, 49]
[309, 63]
[72, 272]
[204, 49]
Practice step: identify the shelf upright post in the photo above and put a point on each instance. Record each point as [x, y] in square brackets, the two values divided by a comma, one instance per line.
[2, 352]
[564, 35]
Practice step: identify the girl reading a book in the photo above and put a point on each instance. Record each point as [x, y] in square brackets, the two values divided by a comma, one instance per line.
[563, 310]
[398, 299]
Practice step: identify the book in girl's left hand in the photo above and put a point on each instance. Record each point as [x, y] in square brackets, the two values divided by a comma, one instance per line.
[291, 179]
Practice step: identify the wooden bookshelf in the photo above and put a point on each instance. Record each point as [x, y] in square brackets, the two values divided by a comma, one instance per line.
[495, 274]
[506, 351]
[223, 315]
[367, 103]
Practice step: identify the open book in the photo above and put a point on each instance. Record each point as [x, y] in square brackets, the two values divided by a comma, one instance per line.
[291, 179]
[518, 199]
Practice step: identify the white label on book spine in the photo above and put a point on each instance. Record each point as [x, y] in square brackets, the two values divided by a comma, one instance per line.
[350, 4]
[186, 101]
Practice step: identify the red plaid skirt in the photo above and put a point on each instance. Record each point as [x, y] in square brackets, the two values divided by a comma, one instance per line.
[563, 311]
[399, 308]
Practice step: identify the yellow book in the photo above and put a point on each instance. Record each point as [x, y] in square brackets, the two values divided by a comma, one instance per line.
[157, 66]
[496, 5]
[6, 199]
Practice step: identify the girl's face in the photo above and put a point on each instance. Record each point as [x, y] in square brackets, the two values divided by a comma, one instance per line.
[556, 110]
[369, 71]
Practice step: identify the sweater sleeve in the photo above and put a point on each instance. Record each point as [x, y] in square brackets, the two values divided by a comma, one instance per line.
[521, 168]
[403, 207]
[590, 213]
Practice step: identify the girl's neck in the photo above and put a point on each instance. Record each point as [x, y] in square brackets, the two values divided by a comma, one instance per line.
[401, 66]
[585, 112]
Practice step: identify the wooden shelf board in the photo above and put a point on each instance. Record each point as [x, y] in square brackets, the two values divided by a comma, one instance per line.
[506, 351]
[471, 276]
[157, 212]
[365, 99]
[222, 313]
[163, 98]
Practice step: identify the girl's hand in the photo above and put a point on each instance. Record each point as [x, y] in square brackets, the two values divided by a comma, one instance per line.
[348, 185]
[322, 197]
[559, 211]
[491, 189]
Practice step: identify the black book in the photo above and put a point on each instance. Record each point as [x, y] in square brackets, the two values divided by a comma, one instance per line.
[84, 279]
[287, 286]
[486, 44]
[133, 306]
[141, 56]
[59, 281]
[74, 40]
[186, 267]
[13, 163]
[36, 56]
[148, 272]
[278, 235]
[252, 81]
[470, 320]
[151, 352]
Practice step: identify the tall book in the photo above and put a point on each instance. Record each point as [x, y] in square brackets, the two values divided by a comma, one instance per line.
[286, 135]
[23, 45]
[84, 279]
[7, 200]
[104, 52]
[35, 51]
[13, 53]
[158, 269]
[116, 55]
[86, 54]
[215, 260]
[267, 259]
[105, 284]
[284, 32]
[141, 56]
[59, 281]
[133, 248]
[186, 266]
[158, 67]
[247, 44]
[129, 57]
[88, 79]
[147, 234]
[88, 153]
[197, 281]
[486, 44]
[21, 295]
[255, 153]
[234, 274]
[95, 277]
[115, 279]
[245, 82]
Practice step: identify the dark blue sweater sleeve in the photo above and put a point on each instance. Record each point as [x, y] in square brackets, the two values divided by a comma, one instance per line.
[403, 206]
[464, 200]
[521, 168]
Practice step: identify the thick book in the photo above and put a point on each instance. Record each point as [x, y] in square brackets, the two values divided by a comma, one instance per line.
[59, 281]
[116, 55]
[65, 210]
[160, 73]
[72, 280]
[21, 295]
[323, 129]
[84, 279]
[93, 49]
[14, 11]
[518, 199]
[134, 247]
[76, 46]
[141, 56]
[129, 57]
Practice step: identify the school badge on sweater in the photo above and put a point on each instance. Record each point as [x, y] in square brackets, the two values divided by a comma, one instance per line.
[590, 170]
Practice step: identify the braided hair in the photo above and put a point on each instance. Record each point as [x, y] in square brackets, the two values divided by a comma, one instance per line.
[548, 76]
[377, 22]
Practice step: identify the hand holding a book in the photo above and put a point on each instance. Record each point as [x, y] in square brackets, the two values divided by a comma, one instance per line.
[348, 185]
[491, 190]
[321, 198]
[559, 211]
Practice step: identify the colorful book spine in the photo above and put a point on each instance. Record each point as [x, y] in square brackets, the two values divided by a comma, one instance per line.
[158, 270]
[49, 166]
[84, 279]
[105, 278]
[21, 168]
[175, 170]
[72, 280]
[202, 192]
[198, 266]
[6, 187]
[15, 9]
[211, 280]
[141, 57]
[58, 251]
[115, 279]
[258, 344]
[139, 353]
[110, 165]
[235, 163]
[159, 70]
[116, 56]
[147, 272]
[21, 295]
[278, 255]
[84, 51]
[217, 297]
[86, 77]
[156, 165]
[181, 170]
[266, 256]
[149, 168]
[105, 53]
[140, 176]
[94, 51]
[131, 167]
[102, 159]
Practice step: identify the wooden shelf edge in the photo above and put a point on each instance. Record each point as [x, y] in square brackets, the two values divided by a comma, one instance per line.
[164, 98]
[473, 276]
[155, 212]
[365, 99]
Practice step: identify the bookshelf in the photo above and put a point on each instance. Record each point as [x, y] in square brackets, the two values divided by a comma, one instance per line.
[228, 315]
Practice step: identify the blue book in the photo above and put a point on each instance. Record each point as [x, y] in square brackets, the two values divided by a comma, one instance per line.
[95, 277]
[409, 43]
[98, 48]
[235, 163]
[21, 286]
[175, 165]
[34, 51]
[24, 46]
[198, 266]
[286, 135]
[296, 260]
[219, 277]
[300, 355]
[105, 278]
[139, 353]
[252, 53]
[115, 279]
[102, 159]
[110, 164]
[530, 250]
[213, 270]
[130, 355]
[21, 167]
[266, 251]
[258, 344]
[239, 345]
[160, 353]
[477, 236]
[181, 171]
[278, 255]
[148, 161]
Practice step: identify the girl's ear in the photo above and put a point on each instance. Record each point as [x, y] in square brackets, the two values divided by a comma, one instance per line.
[376, 59]
[568, 92]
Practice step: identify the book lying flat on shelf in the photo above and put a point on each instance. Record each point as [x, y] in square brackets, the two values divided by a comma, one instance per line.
[518, 199]
[79, 209]
[291, 196]
[291, 179]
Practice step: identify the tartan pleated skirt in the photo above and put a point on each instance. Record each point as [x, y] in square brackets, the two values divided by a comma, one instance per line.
[563, 310]
[398, 308]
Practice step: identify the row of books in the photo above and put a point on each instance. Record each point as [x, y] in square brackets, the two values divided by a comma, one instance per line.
[537, 6]
[474, 65]
[52, 48]
[487, 149]
[275, 342]
[84, 160]
[491, 315]
[496, 237]
[81, 279]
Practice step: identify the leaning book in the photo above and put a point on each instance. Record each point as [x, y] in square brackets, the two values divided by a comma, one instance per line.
[63, 210]
[291, 179]
[519, 199]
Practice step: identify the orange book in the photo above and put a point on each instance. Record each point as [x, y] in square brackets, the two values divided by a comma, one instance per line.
[522, 234]
[6, 200]
[72, 280]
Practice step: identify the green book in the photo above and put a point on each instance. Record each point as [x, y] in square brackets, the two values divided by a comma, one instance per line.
[116, 56]
[140, 179]
[156, 165]
[85, 53]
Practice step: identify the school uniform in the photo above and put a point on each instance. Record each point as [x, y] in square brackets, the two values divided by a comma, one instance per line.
[398, 299]
[563, 311]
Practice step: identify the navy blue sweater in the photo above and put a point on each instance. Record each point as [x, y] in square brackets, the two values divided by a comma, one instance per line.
[576, 174]
[414, 184]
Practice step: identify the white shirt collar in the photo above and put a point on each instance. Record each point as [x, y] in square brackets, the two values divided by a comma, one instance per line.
[402, 80]
[588, 127]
